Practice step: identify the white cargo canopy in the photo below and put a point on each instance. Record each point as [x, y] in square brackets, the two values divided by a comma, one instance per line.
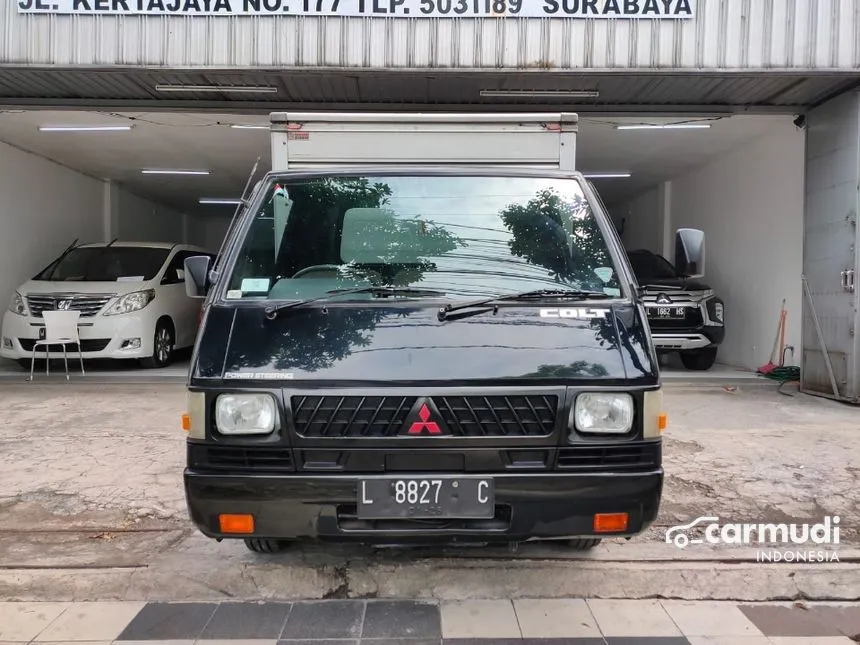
[323, 140]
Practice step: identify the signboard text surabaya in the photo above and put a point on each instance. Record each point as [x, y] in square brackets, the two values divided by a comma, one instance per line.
[653, 9]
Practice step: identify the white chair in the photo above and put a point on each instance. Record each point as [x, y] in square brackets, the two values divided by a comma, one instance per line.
[61, 328]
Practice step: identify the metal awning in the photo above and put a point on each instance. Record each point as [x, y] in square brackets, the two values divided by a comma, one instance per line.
[264, 90]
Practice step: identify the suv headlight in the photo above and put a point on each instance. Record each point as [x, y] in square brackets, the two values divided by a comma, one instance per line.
[237, 414]
[17, 304]
[603, 413]
[131, 302]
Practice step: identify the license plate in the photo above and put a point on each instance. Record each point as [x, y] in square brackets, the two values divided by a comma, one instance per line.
[437, 497]
[667, 312]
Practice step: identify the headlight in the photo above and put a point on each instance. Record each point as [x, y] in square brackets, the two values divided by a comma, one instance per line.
[131, 302]
[17, 305]
[596, 412]
[245, 414]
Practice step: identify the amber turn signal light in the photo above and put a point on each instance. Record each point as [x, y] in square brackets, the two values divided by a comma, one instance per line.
[610, 522]
[662, 421]
[236, 523]
[186, 422]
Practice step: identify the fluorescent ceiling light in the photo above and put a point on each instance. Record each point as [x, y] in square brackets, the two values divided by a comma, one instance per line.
[666, 126]
[237, 126]
[607, 175]
[167, 171]
[84, 128]
[571, 94]
[252, 89]
[216, 200]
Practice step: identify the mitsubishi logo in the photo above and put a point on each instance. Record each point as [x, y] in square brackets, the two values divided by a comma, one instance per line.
[421, 422]
[663, 299]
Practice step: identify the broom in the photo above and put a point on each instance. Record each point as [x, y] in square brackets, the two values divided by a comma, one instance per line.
[768, 367]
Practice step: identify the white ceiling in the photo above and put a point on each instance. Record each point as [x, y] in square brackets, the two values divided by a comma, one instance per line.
[194, 141]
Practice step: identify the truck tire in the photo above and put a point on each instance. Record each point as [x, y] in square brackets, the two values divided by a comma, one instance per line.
[265, 546]
[699, 360]
[583, 544]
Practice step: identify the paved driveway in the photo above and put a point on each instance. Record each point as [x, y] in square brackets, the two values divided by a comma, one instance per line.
[90, 482]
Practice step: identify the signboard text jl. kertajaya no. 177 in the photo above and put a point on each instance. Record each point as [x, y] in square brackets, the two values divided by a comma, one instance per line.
[638, 9]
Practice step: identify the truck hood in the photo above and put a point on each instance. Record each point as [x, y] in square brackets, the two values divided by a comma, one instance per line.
[385, 344]
[35, 287]
[677, 284]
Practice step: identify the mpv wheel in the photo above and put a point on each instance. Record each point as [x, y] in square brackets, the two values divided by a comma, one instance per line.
[162, 346]
[583, 544]
[265, 546]
[699, 360]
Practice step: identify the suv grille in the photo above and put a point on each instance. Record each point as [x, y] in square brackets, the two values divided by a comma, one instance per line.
[384, 416]
[88, 305]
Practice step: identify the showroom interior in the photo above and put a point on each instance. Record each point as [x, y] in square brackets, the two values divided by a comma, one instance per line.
[169, 176]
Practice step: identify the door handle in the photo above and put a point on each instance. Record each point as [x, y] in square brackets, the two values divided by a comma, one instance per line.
[849, 280]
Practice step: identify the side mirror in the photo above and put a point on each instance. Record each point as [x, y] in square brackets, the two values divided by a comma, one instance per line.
[197, 276]
[690, 252]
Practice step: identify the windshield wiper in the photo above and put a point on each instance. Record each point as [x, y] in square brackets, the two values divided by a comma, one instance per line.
[539, 294]
[382, 292]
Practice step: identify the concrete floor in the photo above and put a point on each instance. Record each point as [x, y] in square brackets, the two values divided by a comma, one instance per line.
[92, 508]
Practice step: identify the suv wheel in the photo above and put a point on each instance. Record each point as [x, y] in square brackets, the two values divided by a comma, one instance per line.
[162, 346]
[583, 544]
[699, 360]
[265, 546]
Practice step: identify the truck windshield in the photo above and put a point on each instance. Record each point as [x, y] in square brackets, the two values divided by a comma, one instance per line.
[466, 237]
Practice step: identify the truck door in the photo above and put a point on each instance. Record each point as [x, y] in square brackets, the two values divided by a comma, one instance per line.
[830, 358]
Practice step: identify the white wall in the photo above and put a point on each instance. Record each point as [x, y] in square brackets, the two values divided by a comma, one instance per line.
[208, 231]
[135, 219]
[44, 207]
[642, 222]
[750, 205]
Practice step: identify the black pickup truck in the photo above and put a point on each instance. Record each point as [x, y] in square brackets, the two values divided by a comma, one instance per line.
[684, 313]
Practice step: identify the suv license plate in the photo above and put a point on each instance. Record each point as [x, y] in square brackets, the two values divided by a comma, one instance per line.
[439, 497]
[673, 313]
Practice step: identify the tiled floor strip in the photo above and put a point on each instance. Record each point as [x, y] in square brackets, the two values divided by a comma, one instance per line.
[472, 622]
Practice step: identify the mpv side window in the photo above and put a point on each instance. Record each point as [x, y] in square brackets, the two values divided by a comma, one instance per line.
[175, 273]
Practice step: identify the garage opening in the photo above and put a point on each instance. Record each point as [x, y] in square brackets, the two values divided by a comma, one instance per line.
[175, 178]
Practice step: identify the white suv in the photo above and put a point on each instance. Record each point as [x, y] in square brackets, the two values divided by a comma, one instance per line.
[131, 297]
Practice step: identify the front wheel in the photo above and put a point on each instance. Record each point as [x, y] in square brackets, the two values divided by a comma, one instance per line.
[265, 546]
[699, 360]
[162, 346]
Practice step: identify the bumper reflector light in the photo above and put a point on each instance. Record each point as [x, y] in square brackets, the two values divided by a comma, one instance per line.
[662, 422]
[236, 523]
[610, 522]
[186, 422]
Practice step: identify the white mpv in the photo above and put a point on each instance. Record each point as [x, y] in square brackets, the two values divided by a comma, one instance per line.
[131, 297]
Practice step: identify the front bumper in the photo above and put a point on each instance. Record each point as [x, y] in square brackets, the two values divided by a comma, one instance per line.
[698, 338]
[528, 507]
[101, 336]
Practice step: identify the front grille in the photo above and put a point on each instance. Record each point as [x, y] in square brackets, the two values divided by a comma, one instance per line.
[87, 345]
[232, 458]
[88, 305]
[611, 457]
[385, 416]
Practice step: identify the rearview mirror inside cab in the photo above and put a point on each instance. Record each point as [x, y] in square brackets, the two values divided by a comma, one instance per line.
[197, 276]
[690, 252]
